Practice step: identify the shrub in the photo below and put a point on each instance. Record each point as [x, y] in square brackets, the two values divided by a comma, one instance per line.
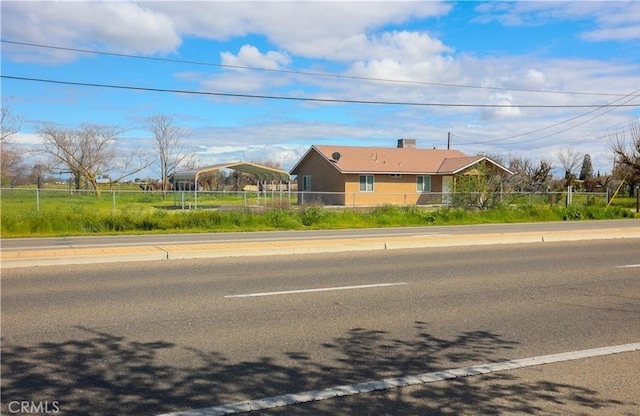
[282, 219]
[88, 220]
[312, 215]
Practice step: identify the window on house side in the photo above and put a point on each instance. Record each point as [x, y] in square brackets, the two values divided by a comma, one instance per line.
[306, 183]
[423, 184]
[366, 183]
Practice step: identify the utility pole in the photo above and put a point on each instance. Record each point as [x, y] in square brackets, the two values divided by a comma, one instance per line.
[449, 141]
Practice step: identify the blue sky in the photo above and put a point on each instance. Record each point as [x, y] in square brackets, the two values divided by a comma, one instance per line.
[554, 68]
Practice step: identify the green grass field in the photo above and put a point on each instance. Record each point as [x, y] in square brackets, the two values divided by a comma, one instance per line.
[64, 213]
[55, 212]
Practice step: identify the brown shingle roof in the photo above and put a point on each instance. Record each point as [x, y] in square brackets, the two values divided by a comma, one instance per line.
[394, 160]
[454, 165]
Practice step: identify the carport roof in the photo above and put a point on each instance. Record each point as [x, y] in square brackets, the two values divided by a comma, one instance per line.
[262, 173]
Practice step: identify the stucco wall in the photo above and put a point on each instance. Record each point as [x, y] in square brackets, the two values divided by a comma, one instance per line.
[391, 190]
[325, 180]
[330, 187]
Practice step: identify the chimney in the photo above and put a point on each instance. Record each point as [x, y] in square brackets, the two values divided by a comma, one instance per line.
[407, 143]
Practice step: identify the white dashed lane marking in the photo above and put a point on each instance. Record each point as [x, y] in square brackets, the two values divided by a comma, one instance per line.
[322, 289]
[389, 383]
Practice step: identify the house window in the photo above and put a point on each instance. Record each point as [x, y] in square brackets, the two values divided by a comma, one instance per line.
[423, 184]
[366, 183]
[306, 183]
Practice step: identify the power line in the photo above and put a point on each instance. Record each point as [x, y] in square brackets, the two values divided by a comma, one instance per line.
[610, 107]
[306, 99]
[306, 73]
[608, 129]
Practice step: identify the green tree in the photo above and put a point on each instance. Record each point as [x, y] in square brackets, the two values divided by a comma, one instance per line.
[586, 172]
[479, 187]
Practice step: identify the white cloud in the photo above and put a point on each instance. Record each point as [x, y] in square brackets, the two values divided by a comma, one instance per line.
[402, 46]
[27, 139]
[625, 33]
[614, 20]
[250, 56]
[240, 83]
[502, 99]
[113, 26]
[285, 155]
[362, 39]
[308, 29]
[399, 55]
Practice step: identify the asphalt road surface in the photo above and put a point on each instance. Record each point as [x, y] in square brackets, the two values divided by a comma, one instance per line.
[22, 244]
[148, 338]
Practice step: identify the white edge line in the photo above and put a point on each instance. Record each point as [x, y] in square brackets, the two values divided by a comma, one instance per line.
[628, 265]
[322, 289]
[389, 383]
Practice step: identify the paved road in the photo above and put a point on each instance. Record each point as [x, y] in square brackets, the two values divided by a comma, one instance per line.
[21, 244]
[78, 250]
[154, 337]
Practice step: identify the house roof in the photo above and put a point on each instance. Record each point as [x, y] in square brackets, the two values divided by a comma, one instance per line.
[262, 173]
[353, 159]
[458, 164]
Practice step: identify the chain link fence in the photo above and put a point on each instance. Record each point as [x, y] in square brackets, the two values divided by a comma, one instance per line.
[31, 199]
[116, 200]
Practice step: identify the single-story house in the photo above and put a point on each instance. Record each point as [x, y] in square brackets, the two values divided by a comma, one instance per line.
[351, 175]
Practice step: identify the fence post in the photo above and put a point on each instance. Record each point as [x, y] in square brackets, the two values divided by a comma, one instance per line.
[37, 199]
[114, 201]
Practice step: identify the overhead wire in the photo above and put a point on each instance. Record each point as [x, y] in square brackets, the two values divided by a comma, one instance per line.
[306, 73]
[609, 107]
[307, 99]
[596, 107]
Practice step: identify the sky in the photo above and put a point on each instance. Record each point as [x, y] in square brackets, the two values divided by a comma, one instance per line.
[264, 80]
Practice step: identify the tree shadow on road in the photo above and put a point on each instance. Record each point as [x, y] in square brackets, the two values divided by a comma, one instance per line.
[105, 374]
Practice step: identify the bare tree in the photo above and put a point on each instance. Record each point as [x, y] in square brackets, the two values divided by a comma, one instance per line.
[626, 154]
[11, 163]
[88, 152]
[212, 181]
[529, 176]
[569, 160]
[273, 164]
[9, 123]
[169, 146]
[541, 175]
[11, 160]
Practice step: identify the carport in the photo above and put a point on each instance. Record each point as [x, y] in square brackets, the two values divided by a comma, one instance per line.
[188, 179]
